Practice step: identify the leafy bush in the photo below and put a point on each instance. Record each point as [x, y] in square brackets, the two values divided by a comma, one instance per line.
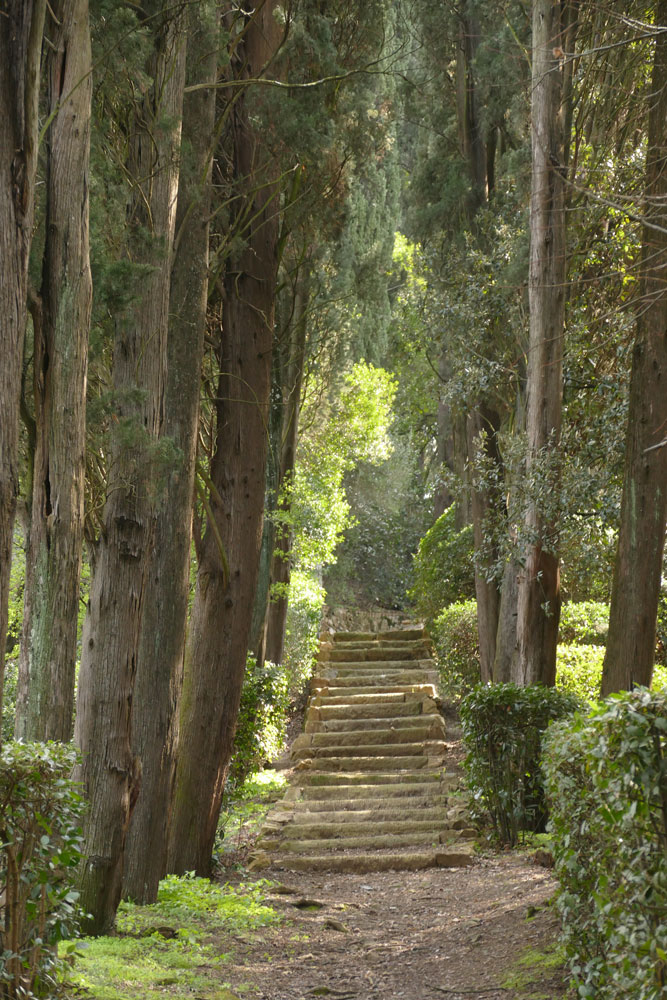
[9, 698]
[444, 570]
[454, 634]
[304, 613]
[262, 721]
[585, 623]
[579, 670]
[661, 636]
[503, 726]
[40, 842]
[607, 788]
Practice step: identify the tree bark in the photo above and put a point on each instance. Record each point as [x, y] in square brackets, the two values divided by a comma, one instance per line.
[538, 606]
[280, 564]
[637, 571]
[110, 770]
[21, 28]
[221, 616]
[163, 627]
[483, 427]
[45, 700]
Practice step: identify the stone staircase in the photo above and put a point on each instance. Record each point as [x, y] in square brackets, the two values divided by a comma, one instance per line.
[370, 790]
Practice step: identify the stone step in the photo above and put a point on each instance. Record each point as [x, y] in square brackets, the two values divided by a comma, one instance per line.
[382, 654]
[366, 842]
[421, 643]
[375, 667]
[394, 707]
[399, 633]
[385, 763]
[368, 751]
[364, 862]
[382, 810]
[370, 737]
[368, 779]
[360, 695]
[378, 680]
[430, 720]
[330, 831]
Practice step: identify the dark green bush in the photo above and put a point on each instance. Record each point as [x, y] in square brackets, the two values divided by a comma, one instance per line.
[443, 568]
[262, 721]
[579, 670]
[503, 726]
[454, 634]
[584, 624]
[606, 780]
[40, 841]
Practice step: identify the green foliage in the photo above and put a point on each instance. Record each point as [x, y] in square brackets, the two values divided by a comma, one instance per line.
[455, 637]
[661, 636]
[503, 727]
[607, 787]
[579, 670]
[244, 809]
[171, 949]
[262, 719]
[302, 630]
[444, 568]
[584, 623]
[40, 840]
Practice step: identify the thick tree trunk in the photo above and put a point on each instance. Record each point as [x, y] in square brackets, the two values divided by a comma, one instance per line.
[539, 586]
[221, 617]
[281, 564]
[637, 571]
[483, 426]
[160, 662]
[45, 702]
[21, 28]
[110, 770]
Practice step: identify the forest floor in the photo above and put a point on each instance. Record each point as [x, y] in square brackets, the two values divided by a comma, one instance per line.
[486, 931]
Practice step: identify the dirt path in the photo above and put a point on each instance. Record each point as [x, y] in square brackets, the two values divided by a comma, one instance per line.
[414, 935]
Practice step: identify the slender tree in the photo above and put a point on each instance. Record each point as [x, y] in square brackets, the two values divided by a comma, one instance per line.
[111, 770]
[637, 571]
[161, 649]
[21, 27]
[61, 319]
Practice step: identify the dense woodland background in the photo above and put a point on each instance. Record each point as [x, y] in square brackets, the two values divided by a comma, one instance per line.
[285, 291]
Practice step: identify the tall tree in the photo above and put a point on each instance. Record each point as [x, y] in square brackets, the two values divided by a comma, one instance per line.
[539, 586]
[110, 769]
[164, 619]
[637, 571]
[229, 551]
[61, 319]
[21, 27]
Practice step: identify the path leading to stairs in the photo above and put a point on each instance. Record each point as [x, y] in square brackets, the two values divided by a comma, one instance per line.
[370, 790]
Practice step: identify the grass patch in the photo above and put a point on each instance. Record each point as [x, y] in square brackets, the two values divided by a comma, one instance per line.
[243, 811]
[529, 971]
[172, 948]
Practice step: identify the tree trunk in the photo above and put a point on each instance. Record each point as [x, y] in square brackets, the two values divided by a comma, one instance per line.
[163, 627]
[21, 28]
[110, 770]
[538, 607]
[281, 566]
[483, 426]
[45, 701]
[637, 571]
[221, 617]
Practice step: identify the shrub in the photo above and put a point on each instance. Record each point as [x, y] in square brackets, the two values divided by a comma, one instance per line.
[454, 634]
[579, 670]
[304, 614]
[607, 787]
[443, 568]
[40, 842]
[262, 720]
[503, 726]
[585, 623]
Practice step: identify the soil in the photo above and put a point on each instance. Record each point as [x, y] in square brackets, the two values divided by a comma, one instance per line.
[486, 931]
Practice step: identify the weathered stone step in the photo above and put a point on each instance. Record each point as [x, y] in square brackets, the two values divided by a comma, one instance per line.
[420, 799]
[371, 737]
[383, 654]
[375, 667]
[382, 810]
[368, 829]
[345, 725]
[376, 778]
[364, 862]
[377, 680]
[393, 643]
[394, 707]
[397, 633]
[369, 751]
[358, 695]
[366, 842]
[384, 763]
